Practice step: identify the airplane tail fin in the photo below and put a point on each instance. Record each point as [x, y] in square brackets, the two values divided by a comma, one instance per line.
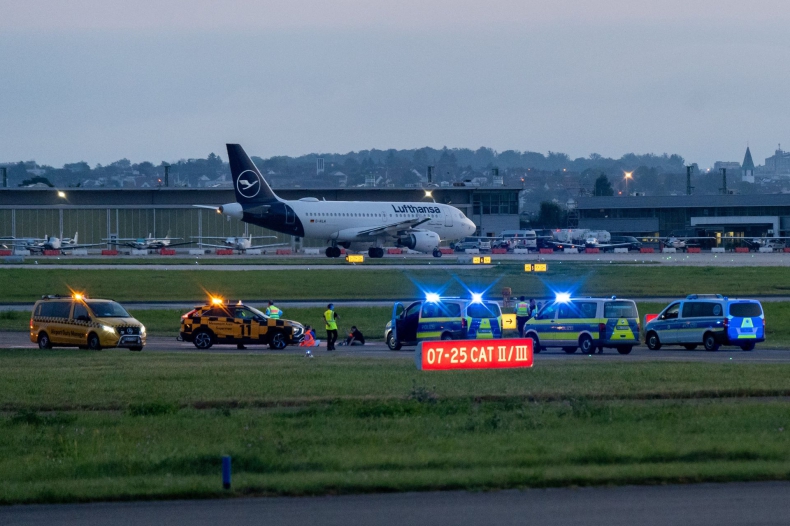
[74, 241]
[248, 183]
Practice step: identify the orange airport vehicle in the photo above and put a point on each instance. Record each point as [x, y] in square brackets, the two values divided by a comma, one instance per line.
[223, 322]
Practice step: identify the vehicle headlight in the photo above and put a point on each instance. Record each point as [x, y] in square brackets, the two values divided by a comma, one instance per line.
[298, 330]
[107, 328]
[142, 330]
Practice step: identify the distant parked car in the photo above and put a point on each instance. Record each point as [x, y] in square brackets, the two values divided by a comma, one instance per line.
[630, 242]
[479, 243]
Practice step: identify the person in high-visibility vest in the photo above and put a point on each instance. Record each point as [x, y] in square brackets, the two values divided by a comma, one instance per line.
[522, 314]
[330, 318]
[273, 312]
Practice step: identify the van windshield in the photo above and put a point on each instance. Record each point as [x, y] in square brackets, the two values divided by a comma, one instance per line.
[483, 310]
[745, 310]
[107, 309]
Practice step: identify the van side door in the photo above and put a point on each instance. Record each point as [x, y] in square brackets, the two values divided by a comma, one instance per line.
[668, 323]
[698, 317]
[407, 328]
[80, 320]
[60, 327]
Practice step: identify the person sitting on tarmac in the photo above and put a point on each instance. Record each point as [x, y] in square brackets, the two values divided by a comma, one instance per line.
[355, 337]
[273, 312]
[309, 337]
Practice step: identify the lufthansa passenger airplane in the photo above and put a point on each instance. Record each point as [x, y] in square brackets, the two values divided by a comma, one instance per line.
[418, 226]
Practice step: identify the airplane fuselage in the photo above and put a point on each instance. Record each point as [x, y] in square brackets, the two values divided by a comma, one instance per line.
[340, 221]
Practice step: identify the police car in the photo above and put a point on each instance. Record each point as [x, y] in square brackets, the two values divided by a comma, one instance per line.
[221, 322]
[710, 320]
[438, 318]
[588, 324]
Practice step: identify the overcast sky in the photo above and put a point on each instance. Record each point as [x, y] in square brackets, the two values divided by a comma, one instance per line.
[99, 80]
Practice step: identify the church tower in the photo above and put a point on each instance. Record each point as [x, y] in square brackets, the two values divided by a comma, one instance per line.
[747, 168]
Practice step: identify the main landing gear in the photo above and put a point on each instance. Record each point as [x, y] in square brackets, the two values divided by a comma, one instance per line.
[375, 252]
[333, 252]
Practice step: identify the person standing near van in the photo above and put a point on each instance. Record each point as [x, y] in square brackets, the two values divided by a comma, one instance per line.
[522, 314]
[533, 308]
[330, 318]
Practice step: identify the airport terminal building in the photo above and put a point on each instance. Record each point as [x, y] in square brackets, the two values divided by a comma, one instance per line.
[735, 215]
[133, 213]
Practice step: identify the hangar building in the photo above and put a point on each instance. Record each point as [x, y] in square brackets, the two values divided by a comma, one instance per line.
[132, 213]
[737, 215]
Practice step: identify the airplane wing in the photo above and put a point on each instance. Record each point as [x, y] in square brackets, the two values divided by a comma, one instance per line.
[17, 243]
[555, 244]
[218, 246]
[612, 245]
[267, 246]
[393, 228]
[237, 237]
[177, 244]
[72, 247]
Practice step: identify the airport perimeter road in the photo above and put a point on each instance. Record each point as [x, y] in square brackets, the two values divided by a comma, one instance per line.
[154, 262]
[21, 340]
[258, 303]
[735, 504]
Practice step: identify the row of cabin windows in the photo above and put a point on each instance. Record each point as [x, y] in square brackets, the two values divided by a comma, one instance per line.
[335, 214]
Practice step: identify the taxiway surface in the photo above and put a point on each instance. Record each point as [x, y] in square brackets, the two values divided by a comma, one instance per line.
[733, 504]
[379, 350]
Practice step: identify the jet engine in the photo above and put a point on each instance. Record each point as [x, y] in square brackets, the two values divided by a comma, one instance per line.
[421, 241]
[233, 210]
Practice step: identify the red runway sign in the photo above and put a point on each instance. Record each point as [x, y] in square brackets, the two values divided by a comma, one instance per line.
[448, 355]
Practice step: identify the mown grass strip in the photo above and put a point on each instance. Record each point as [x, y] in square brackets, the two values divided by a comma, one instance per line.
[26, 285]
[62, 380]
[391, 446]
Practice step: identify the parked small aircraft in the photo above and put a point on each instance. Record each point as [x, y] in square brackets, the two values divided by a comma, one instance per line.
[46, 243]
[146, 243]
[242, 244]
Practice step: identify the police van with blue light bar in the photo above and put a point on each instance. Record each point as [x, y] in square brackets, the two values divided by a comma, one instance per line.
[589, 324]
[438, 318]
[710, 320]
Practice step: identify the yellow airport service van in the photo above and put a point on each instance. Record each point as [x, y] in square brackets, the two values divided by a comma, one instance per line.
[78, 321]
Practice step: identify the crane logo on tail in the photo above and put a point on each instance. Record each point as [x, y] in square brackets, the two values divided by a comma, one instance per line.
[248, 184]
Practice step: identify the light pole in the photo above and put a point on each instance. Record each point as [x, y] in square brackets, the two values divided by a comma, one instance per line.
[627, 177]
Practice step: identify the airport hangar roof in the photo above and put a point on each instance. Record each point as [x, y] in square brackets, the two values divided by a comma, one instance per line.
[683, 201]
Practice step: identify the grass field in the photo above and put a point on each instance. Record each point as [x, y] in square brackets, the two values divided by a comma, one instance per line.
[91, 426]
[25, 285]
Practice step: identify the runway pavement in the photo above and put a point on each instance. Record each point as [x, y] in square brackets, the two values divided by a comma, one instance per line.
[379, 350]
[299, 262]
[734, 504]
